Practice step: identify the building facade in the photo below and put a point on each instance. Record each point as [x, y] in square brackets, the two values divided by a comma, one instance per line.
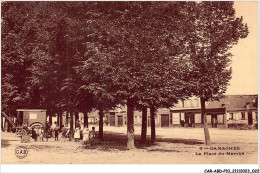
[230, 111]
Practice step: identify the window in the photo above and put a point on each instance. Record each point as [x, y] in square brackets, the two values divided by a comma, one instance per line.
[197, 118]
[243, 116]
[191, 104]
[195, 101]
[220, 118]
[231, 116]
[209, 118]
[198, 103]
[157, 119]
[175, 118]
[186, 103]
[182, 116]
[32, 116]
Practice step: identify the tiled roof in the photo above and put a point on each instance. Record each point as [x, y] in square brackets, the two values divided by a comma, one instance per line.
[234, 102]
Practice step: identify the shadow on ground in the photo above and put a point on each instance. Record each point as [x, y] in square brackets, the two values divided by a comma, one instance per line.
[4, 143]
[179, 140]
[117, 141]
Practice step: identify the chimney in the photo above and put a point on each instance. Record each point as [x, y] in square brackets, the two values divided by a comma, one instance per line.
[225, 104]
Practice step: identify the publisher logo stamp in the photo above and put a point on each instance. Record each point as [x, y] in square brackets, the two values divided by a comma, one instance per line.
[21, 152]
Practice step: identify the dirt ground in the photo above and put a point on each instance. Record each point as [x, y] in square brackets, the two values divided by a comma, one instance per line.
[173, 146]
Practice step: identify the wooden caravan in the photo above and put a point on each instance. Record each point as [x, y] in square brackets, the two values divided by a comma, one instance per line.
[34, 118]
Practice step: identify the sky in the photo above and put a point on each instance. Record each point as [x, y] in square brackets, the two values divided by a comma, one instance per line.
[245, 53]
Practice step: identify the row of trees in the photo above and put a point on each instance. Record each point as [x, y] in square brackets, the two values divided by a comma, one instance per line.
[80, 56]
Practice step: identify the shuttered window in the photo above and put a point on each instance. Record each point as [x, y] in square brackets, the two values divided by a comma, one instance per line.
[198, 118]
[220, 118]
[175, 118]
[209, 118]
[182, 116]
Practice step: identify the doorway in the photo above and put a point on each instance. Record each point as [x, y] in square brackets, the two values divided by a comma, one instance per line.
[214, 121]
[120, 120]
[112, 120]
[165, 120]
[189, 119]
[250, 117]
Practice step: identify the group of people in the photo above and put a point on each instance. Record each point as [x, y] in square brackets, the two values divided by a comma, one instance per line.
[87, 135]
[47, 132]
[54, 130]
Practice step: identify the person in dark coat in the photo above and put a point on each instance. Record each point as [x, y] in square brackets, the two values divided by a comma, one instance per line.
[46, 132]
[34, 134]
[41, 134]
[56, 132]
[92, 135]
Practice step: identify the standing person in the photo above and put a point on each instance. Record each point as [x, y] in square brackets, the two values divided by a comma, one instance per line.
[92, 135]
[77, 134]
[81, 126]
[37, 130]
[46, 132]
[53, 127]
[85, 135]
[41, 133]
[56, 131]
[67, 133]
[34, 134]
[78, 123]
[47, 125]
[63, 131]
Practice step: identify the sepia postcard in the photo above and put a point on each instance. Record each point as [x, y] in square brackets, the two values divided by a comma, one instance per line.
[130, 82]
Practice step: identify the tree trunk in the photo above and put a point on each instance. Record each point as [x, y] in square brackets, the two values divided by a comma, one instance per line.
[152, 117]
[86, 119]
[205, 123]
[74, 120]
[50, 119]
[130, 125]
[71, 125]
[2, 123]
[144, 124]
[77, 120]
[6, 125]
[58, 119]
[61, 119]
[100, 132]
[67, 117]
[18, 119]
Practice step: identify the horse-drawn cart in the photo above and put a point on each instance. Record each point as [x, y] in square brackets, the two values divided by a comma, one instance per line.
[23, 133]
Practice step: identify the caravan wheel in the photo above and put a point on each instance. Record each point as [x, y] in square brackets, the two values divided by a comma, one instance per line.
[36, 126]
